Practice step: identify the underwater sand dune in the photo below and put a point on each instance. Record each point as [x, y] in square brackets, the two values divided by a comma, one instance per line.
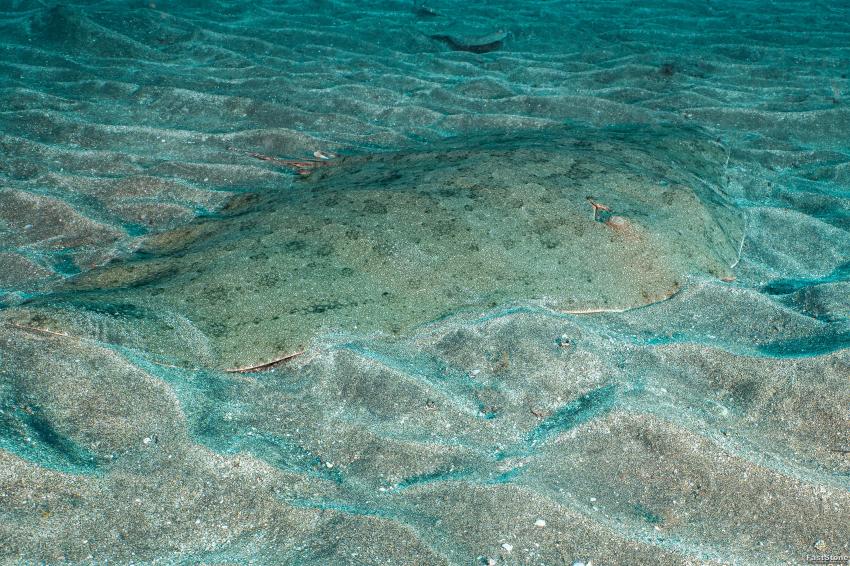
[448, 444]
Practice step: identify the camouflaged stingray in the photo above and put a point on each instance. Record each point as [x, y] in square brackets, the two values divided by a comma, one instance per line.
[586, 220]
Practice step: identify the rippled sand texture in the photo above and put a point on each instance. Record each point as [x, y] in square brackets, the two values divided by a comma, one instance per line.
[452, 401]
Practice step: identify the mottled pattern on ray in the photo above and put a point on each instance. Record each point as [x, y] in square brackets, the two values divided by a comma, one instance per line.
[383, 243]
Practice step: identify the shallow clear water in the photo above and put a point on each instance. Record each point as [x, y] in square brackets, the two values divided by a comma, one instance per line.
[442, 283]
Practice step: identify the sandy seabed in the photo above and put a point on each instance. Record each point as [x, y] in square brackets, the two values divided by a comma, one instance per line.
[581, 296]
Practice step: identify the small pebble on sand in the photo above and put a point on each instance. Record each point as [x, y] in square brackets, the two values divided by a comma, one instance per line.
[540, 523]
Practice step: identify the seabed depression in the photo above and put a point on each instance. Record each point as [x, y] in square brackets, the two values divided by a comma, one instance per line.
[400, 283]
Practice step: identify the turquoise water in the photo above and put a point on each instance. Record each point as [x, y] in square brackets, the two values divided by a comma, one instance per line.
[444, 283]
